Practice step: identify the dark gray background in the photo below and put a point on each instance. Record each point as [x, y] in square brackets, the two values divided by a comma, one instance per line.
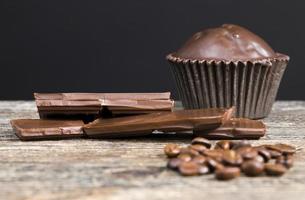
[120, 45]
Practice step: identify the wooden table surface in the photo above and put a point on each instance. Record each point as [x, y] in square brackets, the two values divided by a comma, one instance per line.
[134, 168]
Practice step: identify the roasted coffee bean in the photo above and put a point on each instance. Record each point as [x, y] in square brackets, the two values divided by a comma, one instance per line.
[275, 169]
[189, 168]
[274, 153]
[172, 150]
[213, 164]
[184, 150]
[230, 157]
[238, 144]
[216, 154]
[185, 157]
[259, 158]
[174, 163]
[264, 153]
[190, 151]
[202, 141]
[283, 148]
[286, 160]
[250, 154]
[227, 173]
[281, 160]
[252, 168]
[203, 169]
[289, 161]
[198, 147]
[200, 159]
[223, 144]
[286, 149]
[247, 153]
[193, 152]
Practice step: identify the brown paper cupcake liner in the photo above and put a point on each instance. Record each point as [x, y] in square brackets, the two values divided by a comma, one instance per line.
[250, 86]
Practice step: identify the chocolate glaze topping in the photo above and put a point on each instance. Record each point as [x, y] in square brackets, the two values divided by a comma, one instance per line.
[228, 42]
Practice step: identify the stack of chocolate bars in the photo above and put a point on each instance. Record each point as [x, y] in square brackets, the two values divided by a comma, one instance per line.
[116, 115]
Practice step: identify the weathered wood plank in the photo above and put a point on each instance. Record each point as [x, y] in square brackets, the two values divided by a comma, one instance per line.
[134, 168]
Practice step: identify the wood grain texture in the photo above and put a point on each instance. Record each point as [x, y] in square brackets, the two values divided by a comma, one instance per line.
[134, 168]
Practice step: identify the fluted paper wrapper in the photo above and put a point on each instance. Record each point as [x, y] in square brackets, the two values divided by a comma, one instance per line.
[250, 86]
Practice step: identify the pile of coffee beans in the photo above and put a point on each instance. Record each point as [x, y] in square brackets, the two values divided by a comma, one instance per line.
[227, 158]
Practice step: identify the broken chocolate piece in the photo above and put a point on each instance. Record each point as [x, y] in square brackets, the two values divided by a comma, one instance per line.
[164, 121]
[34, 129]
[238, 128]
[95, 96]
[82, 105]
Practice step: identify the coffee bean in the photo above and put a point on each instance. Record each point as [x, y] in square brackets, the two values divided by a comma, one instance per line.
[287, 149]
[202, 141]
[227, 173]
[203, 169]
[281, 160]
[185, 157]
[286, 160]
[200, 159]
[238, 144]
[284, 148]
[230, 157]
[247, 153]
[189, 168]
[216, 154]
[174, 163]
[223, 144]
[264, 153]
[275, 169]
[252, 168]
[198, 147]
[250, 154]
[184, 150]
[190, 151]
[193, 152]
[274, 154]
[172, 150]
[213, 164]
[259, 158]
[289, 161]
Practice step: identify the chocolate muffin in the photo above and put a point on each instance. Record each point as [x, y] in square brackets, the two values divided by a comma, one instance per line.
[228, 66]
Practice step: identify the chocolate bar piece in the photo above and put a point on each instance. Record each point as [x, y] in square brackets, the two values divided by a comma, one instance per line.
[34, 129]
[92, 104]
[164, 121]
[95, 96]
[236, 128]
